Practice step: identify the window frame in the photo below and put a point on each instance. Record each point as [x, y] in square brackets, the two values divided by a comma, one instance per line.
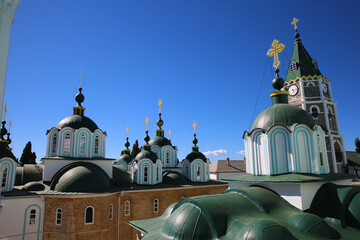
[32, 217]
[4, 177]
[96, 144]
[127, 208]
[82, 143]
[54, 143]
[58, 217]
[92, 215]
[156, 205]
[67, 143]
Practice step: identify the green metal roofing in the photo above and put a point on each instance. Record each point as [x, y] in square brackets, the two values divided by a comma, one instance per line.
[282, 114]
[146, 153]
[173, 178]
[159, 141]
[76, 122]
[195, 155]
[81, 177]
[289, 178]
[250, 213]
[305, 66]
[354, 157]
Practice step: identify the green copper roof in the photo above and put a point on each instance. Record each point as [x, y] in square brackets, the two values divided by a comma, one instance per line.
[76, 122]
[159, 141]
[305, 64]
[282, 114]
[173, 178]
[249, 213]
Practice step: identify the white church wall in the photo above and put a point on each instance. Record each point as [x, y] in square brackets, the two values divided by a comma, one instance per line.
[15, 216]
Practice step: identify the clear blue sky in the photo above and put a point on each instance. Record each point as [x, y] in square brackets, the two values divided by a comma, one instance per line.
[205, 59]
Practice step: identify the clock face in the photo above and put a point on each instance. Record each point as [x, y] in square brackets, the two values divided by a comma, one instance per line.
[293, 90]
[324, 87]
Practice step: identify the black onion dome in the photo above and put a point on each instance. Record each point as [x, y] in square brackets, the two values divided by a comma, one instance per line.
[81, 177]
[125, 157]
[146, 154]
[76, 122]
[5, 151]
[159, 141]
[195, 155]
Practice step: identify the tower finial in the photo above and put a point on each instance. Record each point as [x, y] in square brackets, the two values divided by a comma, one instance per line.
[81, 77]
[5, 110]
[295, 20]
[146, 122]
[194, 126]
[274, 51]
[127, 131]
[127, 144]
[159, 103]
[169, 134]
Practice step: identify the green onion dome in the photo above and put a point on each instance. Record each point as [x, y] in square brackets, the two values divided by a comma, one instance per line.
[76, 122]
[282, 114]
[159, 141]
[146, 153]
[125, 156]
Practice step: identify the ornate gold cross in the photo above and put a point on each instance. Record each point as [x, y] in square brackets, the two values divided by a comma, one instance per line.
[274, 51]
[159, 103]
[295, 20]
[194, 126]
[127, 131]
[5, 110]
[146, 122]
[169, 134]
[9, 125]
[81, 77]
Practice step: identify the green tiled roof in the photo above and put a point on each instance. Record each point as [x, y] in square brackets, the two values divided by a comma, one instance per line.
[304, 62]
[249, 213]
[354, 157]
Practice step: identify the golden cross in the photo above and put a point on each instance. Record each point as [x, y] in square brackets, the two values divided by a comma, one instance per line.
[295, 20]
[274, 51]
[159, 103]
[146, 122]
[81, 77]
[9, 125]
[194, 126]
[169, 134]
[127, 131]
[5, 110]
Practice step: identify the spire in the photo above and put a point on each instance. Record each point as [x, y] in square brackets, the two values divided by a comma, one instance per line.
[147, 138]
[195, 141]
[301, 64]
[278, 83]
[8, 136]
[160, 122]
[79, 98]
[127, 144]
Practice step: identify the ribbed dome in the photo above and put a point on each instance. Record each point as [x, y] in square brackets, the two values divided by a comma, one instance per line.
[81, 177]
[174, 178]
[147, 154]
[159, 141]
[282, 114]
[76, 122]
[125, 157]
[195, 155]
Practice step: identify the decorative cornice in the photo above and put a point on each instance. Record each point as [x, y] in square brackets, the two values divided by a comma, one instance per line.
[8, 8]
[307, 78]
[279, 93]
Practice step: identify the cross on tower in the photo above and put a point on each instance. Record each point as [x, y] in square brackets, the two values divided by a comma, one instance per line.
[127, 131]
[295, 20]
[146, 122]
[81, 77]
[274, 51]
[159, 103]
[169, 134]
[5, 110]
[194, 126]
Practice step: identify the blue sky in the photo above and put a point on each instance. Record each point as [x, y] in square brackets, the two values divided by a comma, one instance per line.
[204, 59]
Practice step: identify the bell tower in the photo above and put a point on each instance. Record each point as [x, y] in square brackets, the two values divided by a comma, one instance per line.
[311, 91]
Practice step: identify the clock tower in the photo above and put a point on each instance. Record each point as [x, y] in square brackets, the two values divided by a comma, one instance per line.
[311, 91]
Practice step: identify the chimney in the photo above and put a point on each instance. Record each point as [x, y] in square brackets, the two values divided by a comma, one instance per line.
[228, 161]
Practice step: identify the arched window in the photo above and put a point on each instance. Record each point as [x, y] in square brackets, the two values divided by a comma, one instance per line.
[54, 143]
[315, 114]
[182, 198]
[146, 169]
[156, 205]
[111, 211]
[167, 157]
[331, 119]
[58, 216]
[157, 172]
[67, 144]
[198, 172]
[187, 169]
[292, 66]
[127, 208]
[311, 91]
[4, 177]
[82, 143]
[96, 147]
[32, 217]
[89, 215]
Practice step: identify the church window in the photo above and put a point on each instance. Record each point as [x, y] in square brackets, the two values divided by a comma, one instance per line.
[89, 215]
[146, 169]
[311, 91]
[182, 198]
[82, 143]
[58, 216]
[187, 169]
[167, 157]
[4, 177]
[321, 159]
[292, 66]
[67, 144]
[127, 208]
[32, 217]
[198, 172]
[315, 114]
[111, 212]
[54, 143]
[156, 205]
[157, 172]
[96, 148]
